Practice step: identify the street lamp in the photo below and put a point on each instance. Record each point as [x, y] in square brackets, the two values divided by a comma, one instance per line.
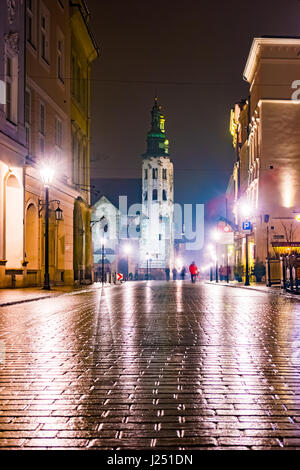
[127, 250]
[216, 237]
[147, 258]
[102, 259]
[47, 175]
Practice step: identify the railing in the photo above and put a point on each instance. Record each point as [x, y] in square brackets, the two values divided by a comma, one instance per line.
[290, 273]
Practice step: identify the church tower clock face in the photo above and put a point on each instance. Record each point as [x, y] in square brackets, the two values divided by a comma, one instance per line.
[157, 232]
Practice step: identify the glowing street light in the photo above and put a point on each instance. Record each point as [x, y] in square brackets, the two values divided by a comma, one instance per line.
[47, 175]
[246, 209]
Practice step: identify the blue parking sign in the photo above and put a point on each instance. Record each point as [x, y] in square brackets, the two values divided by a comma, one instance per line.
[247, 225]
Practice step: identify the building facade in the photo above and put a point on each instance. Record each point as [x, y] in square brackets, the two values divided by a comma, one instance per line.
[12, 143]
[56, 101]
[157, 221]
[267, 142]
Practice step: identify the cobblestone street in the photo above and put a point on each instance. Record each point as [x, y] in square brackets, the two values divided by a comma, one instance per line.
[151, 365]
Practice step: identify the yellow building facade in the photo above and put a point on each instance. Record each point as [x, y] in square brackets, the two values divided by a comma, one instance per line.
[52, 111]
[267, 170]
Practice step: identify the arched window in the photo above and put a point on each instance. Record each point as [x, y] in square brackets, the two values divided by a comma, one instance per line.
[154, 195]
[154, 173]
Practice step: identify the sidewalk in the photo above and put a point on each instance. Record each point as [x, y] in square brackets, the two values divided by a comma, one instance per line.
[256, 287]
[30, 294]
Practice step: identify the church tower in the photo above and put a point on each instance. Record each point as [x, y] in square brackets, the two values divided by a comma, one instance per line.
[157, 225]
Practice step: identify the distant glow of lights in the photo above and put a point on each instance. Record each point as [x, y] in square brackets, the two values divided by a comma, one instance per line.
[297, 217]
[246, 209]
[216, 235]
[179, 264]
[127, 249]
[103, 241]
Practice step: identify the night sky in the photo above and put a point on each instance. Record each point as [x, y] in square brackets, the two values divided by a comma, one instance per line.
[192, 55]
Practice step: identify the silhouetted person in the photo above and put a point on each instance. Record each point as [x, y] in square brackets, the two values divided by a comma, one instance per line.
[174, 271]
[182, 273]
[167, 271]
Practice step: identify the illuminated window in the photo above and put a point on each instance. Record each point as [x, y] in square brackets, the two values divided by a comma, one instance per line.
[154, 173]
[154, 195]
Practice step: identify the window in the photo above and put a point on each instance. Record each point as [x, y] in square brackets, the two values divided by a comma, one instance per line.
[146, 196]
[78, 83]
[164, 173]
[42, 128]
[154, 195]
[58, 133]
[45, 34]
[164, 195]
[146, 174]
[27, 117]
[73, 62]
[31, 22]
[160, 237]
[154, 173]
[62, 3]
[11, 81]
[60, 58]
[42, 118]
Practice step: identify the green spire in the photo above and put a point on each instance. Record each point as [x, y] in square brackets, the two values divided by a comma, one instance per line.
[157, 144]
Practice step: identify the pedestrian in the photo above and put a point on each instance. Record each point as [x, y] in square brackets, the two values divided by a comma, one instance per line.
[174, 271]
[182, 273]
[193, 271]
[167, 271]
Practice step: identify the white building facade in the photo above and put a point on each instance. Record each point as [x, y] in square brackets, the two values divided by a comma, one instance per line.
[157, 218]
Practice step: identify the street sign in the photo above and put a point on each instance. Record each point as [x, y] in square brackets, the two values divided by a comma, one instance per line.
[246, 225]
[226, 238]
[119, 277]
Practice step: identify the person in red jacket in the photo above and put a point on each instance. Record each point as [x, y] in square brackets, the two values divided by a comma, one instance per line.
[193, 271]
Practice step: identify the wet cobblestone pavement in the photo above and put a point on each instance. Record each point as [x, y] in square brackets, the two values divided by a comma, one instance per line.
[151, 366]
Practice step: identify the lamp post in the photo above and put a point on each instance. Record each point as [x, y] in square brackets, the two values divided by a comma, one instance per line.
[127, 250]
[246, 210]
[47, 175]
[102, 259]
[216, 237]
[147, 258]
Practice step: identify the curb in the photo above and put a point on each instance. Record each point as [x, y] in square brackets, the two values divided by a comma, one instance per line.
[34, 299]
[277, 292]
